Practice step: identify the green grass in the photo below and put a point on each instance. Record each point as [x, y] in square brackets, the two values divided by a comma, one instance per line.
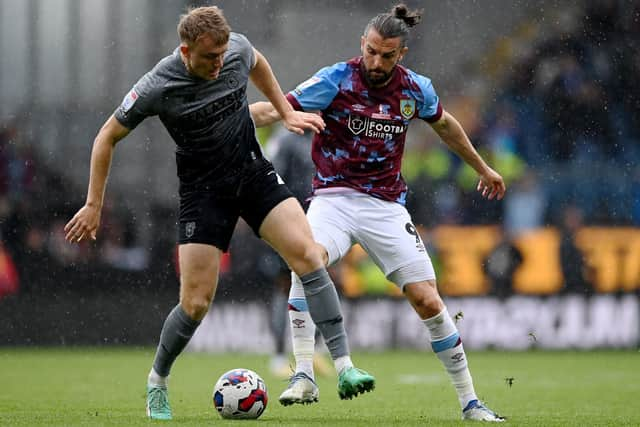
[105, 386]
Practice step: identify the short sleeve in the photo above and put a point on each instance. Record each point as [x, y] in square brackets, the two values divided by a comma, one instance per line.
[244, 49]
[318, 92]
[142, 101]
[428, 102]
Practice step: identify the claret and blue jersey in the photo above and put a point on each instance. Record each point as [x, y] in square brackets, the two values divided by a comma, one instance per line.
[361, 147]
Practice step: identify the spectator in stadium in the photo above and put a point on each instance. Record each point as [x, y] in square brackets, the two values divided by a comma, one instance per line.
[359, 193]
[500, 266]
[574, 268]
[199, 94]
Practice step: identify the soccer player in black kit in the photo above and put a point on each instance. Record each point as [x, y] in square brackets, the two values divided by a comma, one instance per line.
[199, 94]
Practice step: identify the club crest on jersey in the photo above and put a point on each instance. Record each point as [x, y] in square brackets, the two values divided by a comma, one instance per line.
[129, 99]
[407, 108]
[232, 81]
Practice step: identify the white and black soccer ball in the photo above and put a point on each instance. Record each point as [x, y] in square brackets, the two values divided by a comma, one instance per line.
[240, 394]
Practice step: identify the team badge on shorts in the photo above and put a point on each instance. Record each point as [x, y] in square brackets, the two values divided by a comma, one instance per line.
[407, 108]
[189, 229]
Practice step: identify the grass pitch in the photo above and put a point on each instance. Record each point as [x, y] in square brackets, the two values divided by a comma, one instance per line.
[105, 386]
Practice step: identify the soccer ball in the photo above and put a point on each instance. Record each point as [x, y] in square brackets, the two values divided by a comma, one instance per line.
[240, 394]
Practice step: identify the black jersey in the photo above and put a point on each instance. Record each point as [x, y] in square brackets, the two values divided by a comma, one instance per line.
[209, 120]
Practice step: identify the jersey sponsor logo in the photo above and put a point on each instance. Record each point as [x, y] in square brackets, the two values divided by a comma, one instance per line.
[358, 107]
[129, 99]
[356, 124]
[407, 108]
[216, 111]
[374, 127]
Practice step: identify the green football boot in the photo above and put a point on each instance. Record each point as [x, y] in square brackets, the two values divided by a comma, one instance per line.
[353, 381]
[158, 403]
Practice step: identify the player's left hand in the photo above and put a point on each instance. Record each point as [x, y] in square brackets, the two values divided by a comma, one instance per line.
[491, 185]
[298, 121]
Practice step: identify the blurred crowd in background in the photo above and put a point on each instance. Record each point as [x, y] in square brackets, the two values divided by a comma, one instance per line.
[555, 109]
[553, 106]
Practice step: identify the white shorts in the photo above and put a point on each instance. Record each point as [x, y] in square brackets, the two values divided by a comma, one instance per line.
[383, 229]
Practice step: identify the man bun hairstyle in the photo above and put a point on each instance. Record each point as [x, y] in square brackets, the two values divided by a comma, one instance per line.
[395, 23]
[401, 11]
[203, 20]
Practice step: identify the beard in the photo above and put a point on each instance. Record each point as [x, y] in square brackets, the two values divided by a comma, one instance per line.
[377, 77]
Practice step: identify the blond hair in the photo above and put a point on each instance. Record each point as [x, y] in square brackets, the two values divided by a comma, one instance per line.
[204, 20]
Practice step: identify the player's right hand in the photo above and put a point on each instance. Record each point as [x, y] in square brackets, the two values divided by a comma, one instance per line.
[83, 225]
[491, 185]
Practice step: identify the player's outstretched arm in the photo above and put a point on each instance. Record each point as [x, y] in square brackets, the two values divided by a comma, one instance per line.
[491, 184]
[86, 221]
[296, 121]
[264, 114]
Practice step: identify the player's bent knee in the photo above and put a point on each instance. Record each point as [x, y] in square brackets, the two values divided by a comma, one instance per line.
[309, 258]
[424, 298]
[196, 307]
[428, 302]
[196, 296]
[324, 253]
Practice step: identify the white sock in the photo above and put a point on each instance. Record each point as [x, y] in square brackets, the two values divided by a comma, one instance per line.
[156, 380]
[303, 330]
[342, 363]
[446, 343]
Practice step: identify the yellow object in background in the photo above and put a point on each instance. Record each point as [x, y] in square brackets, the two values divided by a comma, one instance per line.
[612, 256]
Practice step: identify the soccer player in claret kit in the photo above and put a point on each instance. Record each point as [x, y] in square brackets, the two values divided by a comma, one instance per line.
[359, 193]
[199, 94]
